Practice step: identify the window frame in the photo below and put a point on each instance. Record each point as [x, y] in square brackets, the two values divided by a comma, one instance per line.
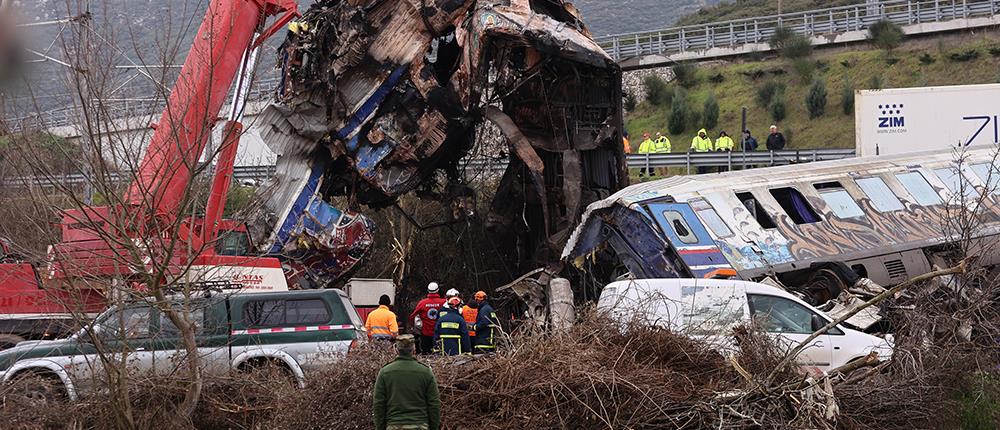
[284, 322]
[954, 172]
[700, 206]
[823, 193]
[672, 217]
[873, 200]
[758, 208]
[916, 198]
[796, 218]
[992, 179]
[835, 331]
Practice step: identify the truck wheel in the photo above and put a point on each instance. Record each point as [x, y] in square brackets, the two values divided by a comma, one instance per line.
[269, 371]
[38, 389]
[9, 340]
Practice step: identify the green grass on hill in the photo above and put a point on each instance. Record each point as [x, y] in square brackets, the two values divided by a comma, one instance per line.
[834, 129]
[740, 9]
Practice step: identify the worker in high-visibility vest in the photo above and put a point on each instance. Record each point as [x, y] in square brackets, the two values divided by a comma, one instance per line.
[626, 146]
[381, 323]
[646, 147]
[451, 334]
[661, 146]
[702, 143]
[724, 143]
[487, 326]
[469, 313]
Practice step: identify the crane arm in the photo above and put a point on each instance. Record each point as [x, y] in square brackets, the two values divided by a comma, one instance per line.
[216, 56]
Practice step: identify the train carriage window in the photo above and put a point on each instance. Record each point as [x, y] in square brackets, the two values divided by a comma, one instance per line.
[712, 219]
[680, 227]
[956, 182]
[795, 205]
[880, 195]
[756, 210]
[839, 200]
[990, 176]
[917, 186]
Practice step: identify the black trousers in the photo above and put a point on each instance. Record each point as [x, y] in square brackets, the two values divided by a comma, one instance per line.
[426, 345]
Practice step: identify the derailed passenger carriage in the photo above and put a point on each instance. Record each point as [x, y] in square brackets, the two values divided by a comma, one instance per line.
[817, 228]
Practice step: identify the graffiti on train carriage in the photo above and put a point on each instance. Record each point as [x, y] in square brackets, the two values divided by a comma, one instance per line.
[817, 230]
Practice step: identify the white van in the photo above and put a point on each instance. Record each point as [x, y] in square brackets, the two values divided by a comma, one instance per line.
[709, 309]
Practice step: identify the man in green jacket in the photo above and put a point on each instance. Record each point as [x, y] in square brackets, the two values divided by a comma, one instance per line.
[406, 393]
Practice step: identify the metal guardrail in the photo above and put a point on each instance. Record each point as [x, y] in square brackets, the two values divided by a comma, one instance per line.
[115, 109]
[810, 23]
[661, 42]
[257, 174]
[736, 159]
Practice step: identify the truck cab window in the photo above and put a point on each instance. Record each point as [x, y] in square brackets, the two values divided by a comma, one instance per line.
[129, 323]
[917, 186]
[795, 205]
[879, 194]
[756, 210]
[233, 242]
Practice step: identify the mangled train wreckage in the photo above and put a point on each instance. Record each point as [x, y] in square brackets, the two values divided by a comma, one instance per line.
[817, 231]
[382, 98]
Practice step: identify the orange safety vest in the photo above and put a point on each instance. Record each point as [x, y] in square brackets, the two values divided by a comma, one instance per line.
[469, 314]
[382, 323]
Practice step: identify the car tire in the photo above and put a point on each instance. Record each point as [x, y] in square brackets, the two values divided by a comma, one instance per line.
[38, 388]
[8, 341]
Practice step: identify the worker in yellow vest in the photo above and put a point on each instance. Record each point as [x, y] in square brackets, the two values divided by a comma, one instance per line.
[702, 143]
[724, 143]
[661, 146]
[646, 147]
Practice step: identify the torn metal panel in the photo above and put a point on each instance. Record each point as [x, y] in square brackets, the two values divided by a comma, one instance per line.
[386, 93]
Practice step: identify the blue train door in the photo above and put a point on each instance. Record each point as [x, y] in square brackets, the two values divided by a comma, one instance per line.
[688, 235]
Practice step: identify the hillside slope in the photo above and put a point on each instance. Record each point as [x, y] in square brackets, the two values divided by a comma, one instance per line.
[858, 67]
[730, 10]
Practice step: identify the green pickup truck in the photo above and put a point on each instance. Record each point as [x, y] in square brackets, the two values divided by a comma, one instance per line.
[294, 332]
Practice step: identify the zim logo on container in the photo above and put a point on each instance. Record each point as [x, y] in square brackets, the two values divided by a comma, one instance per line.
[891, 116]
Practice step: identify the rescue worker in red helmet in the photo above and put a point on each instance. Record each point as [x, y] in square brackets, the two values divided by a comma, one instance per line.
[427, 312]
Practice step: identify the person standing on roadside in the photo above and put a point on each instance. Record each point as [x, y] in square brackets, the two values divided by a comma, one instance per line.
[775, 140]
[702, 143]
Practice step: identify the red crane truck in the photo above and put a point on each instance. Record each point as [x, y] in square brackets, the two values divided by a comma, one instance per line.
[209, 249]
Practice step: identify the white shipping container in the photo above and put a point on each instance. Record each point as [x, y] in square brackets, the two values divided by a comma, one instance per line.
[903, 120]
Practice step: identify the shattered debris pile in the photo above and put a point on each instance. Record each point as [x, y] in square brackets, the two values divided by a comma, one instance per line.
[383, 98]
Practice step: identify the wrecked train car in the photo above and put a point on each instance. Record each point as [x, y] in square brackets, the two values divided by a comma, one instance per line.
[381, 98]
[816, 228]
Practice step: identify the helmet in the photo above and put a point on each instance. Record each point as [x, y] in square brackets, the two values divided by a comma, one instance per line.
[452, 293]
[432, 287]
[480, 295]
[454, 301]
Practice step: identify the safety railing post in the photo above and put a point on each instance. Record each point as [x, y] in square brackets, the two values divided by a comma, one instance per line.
[688, 162]
[647, 165]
